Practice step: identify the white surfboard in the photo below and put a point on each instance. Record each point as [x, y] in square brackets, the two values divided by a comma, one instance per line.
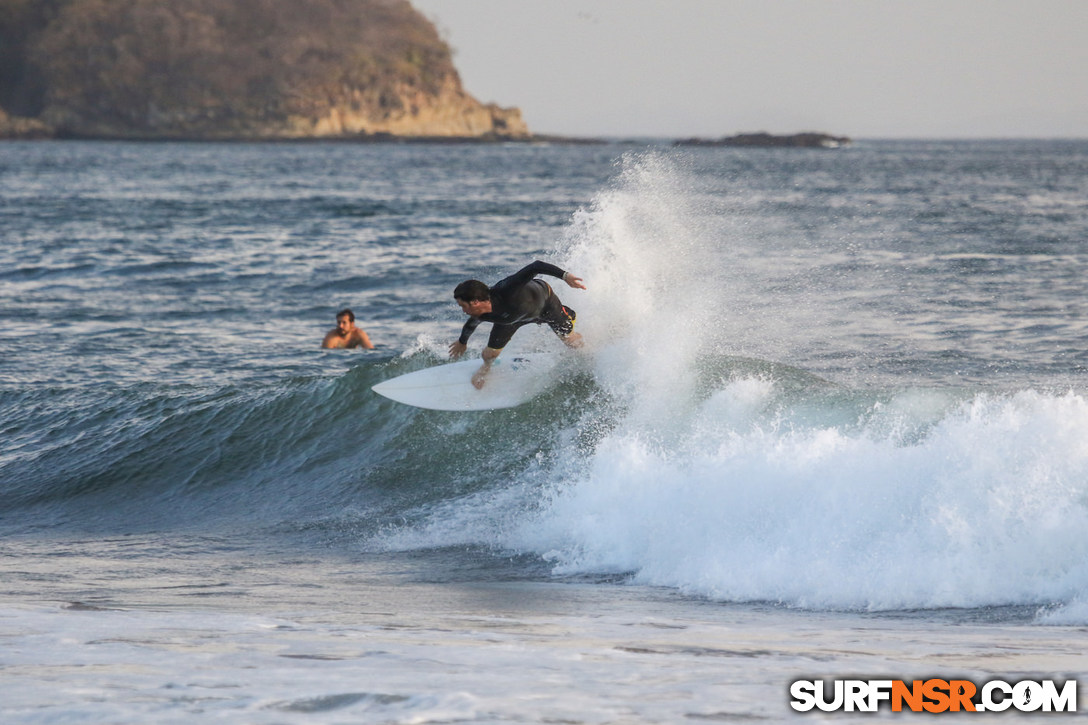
[514, 379]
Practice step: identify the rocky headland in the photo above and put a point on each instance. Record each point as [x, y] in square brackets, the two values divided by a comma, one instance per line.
[237, 69]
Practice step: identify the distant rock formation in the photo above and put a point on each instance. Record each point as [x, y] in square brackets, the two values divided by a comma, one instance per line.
[234, 69]
[763, 139]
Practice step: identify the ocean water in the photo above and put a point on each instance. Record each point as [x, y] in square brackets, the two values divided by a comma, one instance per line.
[831, 421]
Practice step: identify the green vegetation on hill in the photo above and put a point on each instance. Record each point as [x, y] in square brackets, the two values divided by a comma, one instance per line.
[200, 68]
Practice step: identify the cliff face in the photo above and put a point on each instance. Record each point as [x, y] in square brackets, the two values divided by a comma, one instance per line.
[235, 69]
[22, 127]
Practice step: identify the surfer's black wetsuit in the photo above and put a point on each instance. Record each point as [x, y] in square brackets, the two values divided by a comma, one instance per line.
[520, 299]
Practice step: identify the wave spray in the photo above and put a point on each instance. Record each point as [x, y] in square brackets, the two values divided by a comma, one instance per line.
[720, 472]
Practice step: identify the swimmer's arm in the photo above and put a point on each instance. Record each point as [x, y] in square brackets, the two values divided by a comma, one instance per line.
[331, 338]
[364, 339]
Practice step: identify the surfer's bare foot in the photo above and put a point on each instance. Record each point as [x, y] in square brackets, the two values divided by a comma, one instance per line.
[574, 340]
[478, 379]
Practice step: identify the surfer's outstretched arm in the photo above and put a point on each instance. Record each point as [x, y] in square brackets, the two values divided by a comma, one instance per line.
[480, 376]
[572, 281]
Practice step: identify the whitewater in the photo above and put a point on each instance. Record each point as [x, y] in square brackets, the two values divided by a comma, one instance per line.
[831, 420]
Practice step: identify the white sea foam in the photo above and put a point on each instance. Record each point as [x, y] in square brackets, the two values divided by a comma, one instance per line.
[1074, 612]
[989, 508]
[986, 507]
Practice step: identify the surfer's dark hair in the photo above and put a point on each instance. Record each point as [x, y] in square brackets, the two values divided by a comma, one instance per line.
[472, 290]
[346, 311]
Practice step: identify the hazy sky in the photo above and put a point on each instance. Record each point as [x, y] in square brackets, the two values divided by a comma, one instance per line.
[861, 68]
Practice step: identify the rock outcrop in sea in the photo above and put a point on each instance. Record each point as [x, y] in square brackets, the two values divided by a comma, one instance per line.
[807, 139]
[237, 69]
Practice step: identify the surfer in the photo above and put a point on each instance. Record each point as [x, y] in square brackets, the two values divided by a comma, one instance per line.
[515, 301]
[346, 334]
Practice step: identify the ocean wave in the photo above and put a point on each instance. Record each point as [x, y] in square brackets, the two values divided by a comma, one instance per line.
[310, 447]
[921, 502]
[698, 464]
[761, 411]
